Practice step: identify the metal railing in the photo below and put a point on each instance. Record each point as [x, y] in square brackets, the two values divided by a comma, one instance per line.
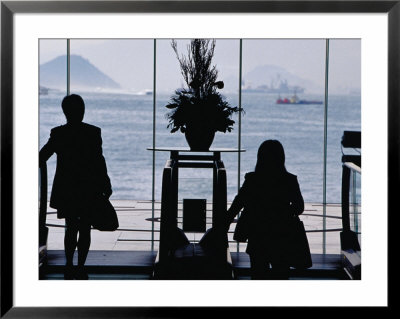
[351, 198]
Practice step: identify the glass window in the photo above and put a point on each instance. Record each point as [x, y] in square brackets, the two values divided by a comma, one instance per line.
[344, 110]
[196, 183]
[52, 88]
[113, 77]
[344, 114]
[282, 93]
[292, 71]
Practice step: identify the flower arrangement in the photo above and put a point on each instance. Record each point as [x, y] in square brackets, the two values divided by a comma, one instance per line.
[199, 107]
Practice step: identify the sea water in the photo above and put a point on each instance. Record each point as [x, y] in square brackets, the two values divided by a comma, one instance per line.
[126, 121]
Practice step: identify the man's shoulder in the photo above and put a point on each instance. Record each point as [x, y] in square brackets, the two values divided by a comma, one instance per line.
[83, 128]
[58, 129]
[291, 176]
[250, 178]
[249, 175]
[82, 125]
[91, 127]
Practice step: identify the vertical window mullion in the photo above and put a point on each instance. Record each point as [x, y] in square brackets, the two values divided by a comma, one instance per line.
[68, 67]
[239, 121]
[325, 144]
[154, 146]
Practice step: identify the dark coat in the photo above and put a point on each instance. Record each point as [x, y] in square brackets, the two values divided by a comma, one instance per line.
[81, 171]
[270, 204]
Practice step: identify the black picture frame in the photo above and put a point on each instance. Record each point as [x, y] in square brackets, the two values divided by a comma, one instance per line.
[9, 8]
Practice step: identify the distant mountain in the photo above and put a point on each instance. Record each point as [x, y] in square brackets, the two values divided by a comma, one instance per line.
[84, 75]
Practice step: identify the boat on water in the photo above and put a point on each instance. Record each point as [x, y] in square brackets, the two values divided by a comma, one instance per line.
[43, 90]
[295, 100]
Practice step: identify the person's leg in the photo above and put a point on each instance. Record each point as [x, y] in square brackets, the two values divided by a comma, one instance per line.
[279, 270]
[70, 239]
[83, 247]
[278, 258]
[259, 266]
[70, 243]
[84, 241]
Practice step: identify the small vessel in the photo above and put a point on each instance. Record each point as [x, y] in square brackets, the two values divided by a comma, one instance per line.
[43, 90]
[295, 100]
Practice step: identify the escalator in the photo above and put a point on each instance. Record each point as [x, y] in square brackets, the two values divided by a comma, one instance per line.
[43, 230]
[350, 237]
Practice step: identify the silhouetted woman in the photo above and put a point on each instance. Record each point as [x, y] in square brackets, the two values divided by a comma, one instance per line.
[271, 197]
[81, 175]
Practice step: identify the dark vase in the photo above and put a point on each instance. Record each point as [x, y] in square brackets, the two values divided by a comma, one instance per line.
[199, 138]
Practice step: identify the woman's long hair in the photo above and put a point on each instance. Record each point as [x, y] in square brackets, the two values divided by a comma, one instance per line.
[271, 159]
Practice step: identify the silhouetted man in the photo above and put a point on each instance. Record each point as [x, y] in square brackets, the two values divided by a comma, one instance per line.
[81, 175]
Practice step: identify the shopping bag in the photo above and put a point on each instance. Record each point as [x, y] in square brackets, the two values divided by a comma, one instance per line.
[299, 249]
[242, 228]
[103, 216]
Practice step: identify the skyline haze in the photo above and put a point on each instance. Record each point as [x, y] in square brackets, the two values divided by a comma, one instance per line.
[129, 62]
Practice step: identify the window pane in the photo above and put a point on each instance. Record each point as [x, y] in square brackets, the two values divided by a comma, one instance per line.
[113, 76]
[344, 112]
[282, 93]
[196, 182]
[274, 69]
[53, 87]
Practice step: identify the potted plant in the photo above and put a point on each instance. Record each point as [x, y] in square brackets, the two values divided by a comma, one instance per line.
[199, 110]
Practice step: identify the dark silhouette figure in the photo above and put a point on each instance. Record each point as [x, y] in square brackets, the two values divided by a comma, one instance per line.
[271, 197]
[81, 175]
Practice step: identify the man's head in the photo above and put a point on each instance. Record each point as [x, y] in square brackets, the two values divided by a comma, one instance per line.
[73, 108]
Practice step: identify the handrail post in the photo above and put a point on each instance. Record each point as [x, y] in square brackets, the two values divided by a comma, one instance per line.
[165, 210]
[345, 198]
[174, 192]
[219, 214]
[43, 230]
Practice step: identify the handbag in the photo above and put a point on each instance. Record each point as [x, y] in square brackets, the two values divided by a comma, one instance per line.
[242, 228]
[103, 216]
[299, 249]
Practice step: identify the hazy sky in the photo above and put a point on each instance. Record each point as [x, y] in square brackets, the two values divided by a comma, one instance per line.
[130, 62]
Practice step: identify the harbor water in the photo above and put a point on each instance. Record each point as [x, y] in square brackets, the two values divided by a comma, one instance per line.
[126, 121]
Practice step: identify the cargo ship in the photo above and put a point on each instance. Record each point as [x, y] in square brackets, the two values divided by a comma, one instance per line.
[281, 86]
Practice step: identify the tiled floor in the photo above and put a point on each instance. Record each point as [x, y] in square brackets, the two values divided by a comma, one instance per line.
[136, 223]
